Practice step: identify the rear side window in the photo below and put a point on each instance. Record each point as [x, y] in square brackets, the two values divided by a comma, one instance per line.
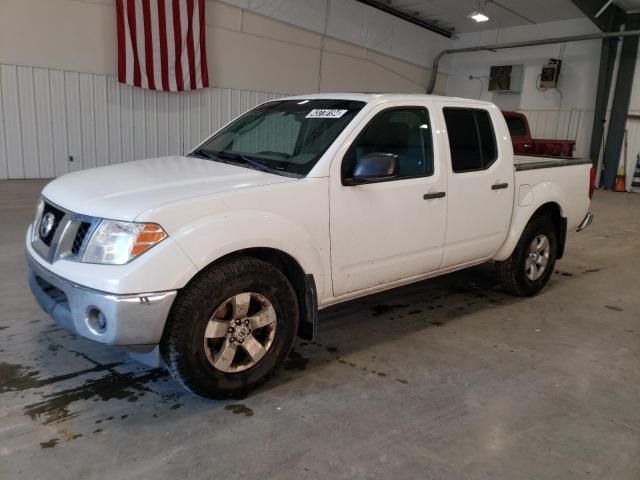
[471, 139]
[516, 126]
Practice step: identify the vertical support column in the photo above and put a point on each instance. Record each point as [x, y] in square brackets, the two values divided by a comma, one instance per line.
[605, 76]
[620, 107]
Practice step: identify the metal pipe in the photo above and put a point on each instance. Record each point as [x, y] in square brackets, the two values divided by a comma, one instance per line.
[529, 43]
[604, 7]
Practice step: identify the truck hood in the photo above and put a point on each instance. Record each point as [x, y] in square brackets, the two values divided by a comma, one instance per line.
[126, 190]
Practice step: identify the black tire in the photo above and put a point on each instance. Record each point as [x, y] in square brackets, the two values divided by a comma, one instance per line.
[182, 345]
[512, 272]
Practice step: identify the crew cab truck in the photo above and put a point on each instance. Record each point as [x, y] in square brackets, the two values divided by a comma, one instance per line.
[212, 263]
[524, 143]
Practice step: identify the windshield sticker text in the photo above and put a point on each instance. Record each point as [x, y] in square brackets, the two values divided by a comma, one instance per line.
[326, 113]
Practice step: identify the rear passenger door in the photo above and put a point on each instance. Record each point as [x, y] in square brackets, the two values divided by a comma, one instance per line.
[480, 186]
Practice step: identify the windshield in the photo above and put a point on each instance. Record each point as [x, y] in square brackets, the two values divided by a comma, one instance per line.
[282, 137]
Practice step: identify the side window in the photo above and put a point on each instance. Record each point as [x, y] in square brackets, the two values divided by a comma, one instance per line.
[516, 126]
[471, 139]
[405, 132]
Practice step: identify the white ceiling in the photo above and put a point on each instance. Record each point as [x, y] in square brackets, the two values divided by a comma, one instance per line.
[452, 14]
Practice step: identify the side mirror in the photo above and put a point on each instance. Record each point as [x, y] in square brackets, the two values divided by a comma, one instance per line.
[374, 167]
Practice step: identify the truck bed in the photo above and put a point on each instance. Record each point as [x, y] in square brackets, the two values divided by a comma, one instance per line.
[534, 162]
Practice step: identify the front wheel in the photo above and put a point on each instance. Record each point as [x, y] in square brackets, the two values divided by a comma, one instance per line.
[230, 328]
[532, 262]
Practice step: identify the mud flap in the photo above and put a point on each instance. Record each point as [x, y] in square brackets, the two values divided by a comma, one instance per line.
[308, 327]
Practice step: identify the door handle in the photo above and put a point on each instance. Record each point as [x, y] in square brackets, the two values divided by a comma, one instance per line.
[431, 196]
[499, 186]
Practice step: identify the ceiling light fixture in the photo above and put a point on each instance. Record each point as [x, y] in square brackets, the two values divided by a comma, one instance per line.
[479, 15]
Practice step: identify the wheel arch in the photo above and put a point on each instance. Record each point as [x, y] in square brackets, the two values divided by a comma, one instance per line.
[303, 283]
[551, 208]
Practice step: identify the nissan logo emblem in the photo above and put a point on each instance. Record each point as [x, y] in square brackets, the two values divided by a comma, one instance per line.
[46, 224]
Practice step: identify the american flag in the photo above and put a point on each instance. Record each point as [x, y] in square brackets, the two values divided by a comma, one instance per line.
[161, 44]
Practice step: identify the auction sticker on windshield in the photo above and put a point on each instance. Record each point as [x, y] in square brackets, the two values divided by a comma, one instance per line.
[326, 113]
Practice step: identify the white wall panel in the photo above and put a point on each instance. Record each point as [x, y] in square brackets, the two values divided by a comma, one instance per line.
[101, 116]
[59, 123]
[28, 129]
[3, 145]
[114, 123]
[48, 116]
[11, 110]
[87, 121]
[44, 122]
[73, 120]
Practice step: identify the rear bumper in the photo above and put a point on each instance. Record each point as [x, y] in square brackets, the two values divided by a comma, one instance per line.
[588, 219]
[124, 320]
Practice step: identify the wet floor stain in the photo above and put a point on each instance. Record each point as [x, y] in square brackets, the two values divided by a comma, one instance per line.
[239, 409]
[365, 369]
[615, 308]
[14, 377]
[382, 309]
[131, 386]
[295, 361]
[49, 443]
[3, 327]
[564, 274]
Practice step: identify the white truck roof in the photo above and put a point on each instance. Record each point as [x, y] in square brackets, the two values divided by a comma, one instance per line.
[387, 97]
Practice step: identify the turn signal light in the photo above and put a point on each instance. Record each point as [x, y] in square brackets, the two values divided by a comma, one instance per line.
[148, 237]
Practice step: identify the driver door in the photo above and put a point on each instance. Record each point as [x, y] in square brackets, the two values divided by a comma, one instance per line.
[394, 229]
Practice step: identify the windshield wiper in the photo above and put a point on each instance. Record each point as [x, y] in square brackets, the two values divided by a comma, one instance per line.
[204, 153]
[224, 157]
[257, 165]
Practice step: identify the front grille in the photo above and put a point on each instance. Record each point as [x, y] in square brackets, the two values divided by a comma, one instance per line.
[81, 234]
[60, 233]
[50, 211]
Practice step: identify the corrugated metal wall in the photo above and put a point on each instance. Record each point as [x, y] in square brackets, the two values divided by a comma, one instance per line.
[48, 116]
[563, 125]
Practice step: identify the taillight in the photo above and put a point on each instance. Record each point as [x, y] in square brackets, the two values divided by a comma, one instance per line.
[592, 181]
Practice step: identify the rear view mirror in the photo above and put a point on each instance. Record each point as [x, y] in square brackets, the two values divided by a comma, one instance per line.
[374, 167]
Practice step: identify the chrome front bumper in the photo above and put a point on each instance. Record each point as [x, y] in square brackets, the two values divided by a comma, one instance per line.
[586, 222]
[124, 320]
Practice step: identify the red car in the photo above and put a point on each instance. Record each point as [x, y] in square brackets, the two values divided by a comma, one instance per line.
[523, 144]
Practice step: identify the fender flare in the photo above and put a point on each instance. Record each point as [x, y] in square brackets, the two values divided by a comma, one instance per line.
[545, 193]
[230, 234]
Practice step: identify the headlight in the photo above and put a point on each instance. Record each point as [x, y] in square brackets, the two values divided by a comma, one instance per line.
[116, 243]
[39, 210]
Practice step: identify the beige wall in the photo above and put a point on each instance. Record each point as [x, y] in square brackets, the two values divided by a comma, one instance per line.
[246, 51]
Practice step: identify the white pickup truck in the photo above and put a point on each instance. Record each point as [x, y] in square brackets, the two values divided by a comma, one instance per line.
[213, 262]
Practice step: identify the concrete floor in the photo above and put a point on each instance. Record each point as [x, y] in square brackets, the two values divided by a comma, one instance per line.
[449, 378]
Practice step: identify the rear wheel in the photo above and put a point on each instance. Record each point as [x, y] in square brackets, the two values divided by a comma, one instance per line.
[532, 262]
[231, 328]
